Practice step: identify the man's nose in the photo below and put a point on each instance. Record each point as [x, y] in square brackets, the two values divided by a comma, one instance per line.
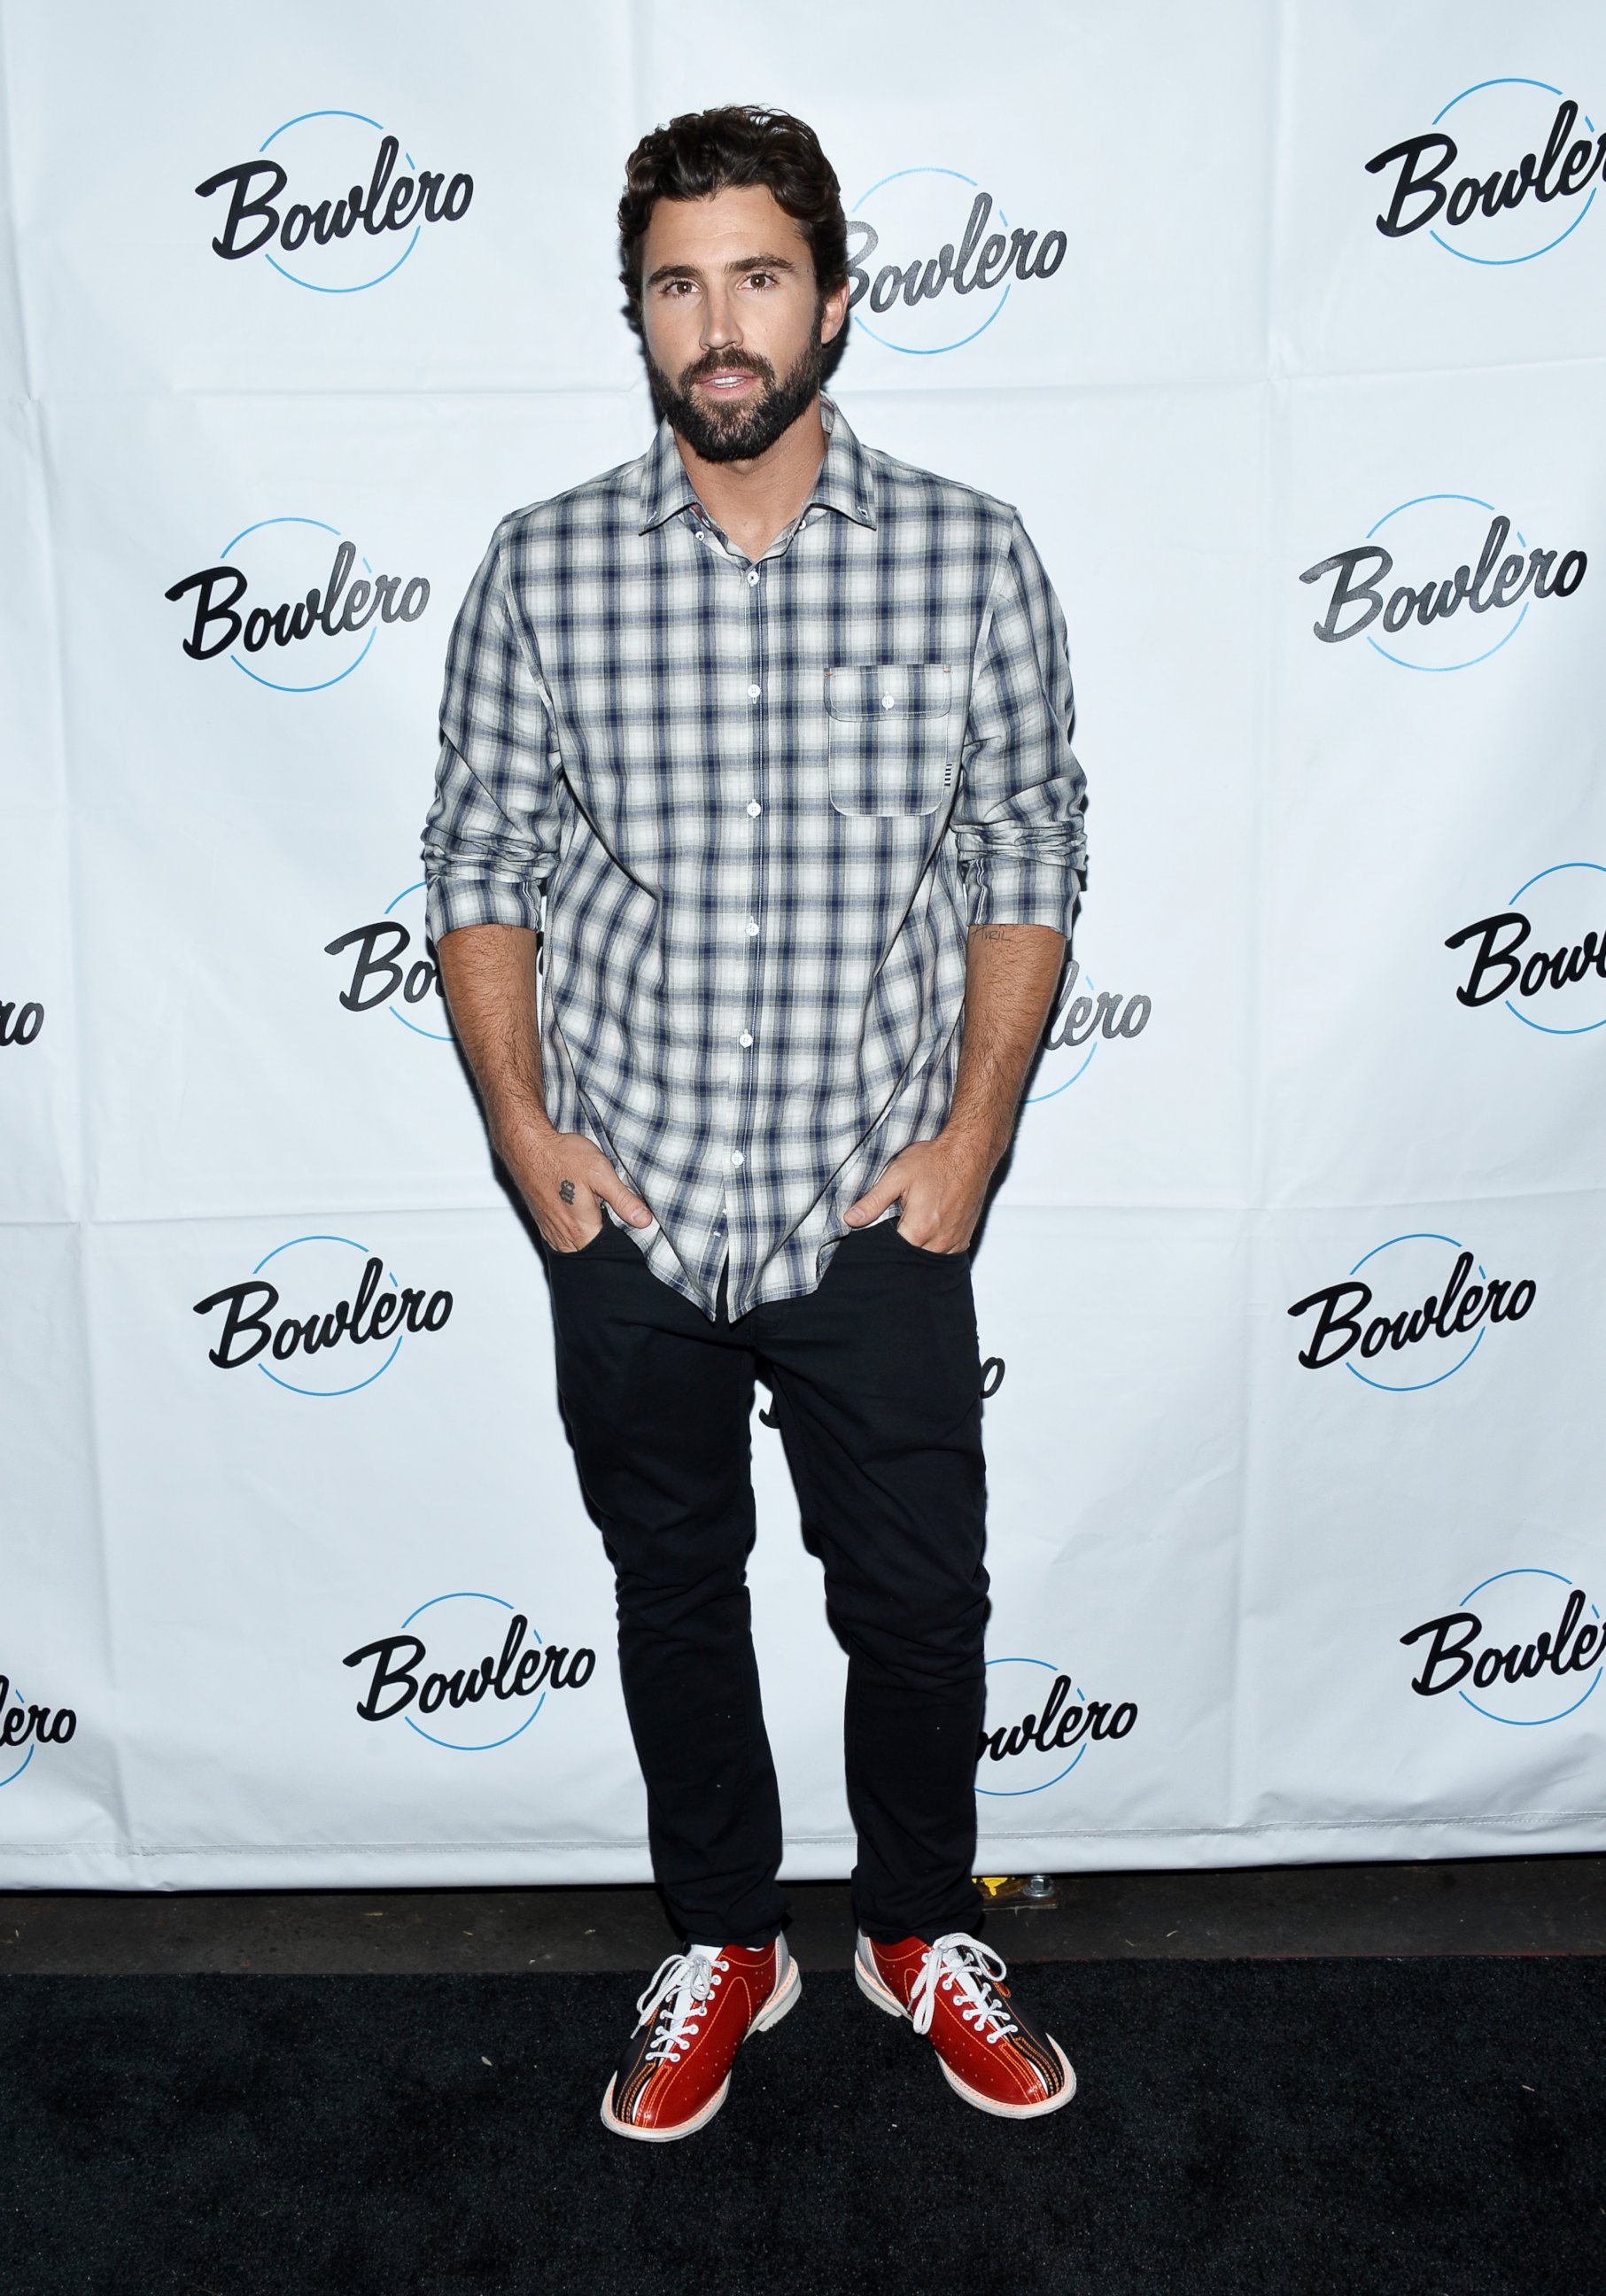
[721, 330]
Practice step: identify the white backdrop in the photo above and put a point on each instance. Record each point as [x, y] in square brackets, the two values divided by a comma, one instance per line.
[1229, 377]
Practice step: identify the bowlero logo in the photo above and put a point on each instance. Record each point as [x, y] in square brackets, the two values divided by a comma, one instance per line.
[1500, 175]
[391, 964]
[19, 1024]
[332, 202]
[1540, 959]
[1453, 548]
[1431, 1321]
[932, 261]
[1038, 1726]
[302, 570]
[1083, 1018]
[463, 1674]
[25, 1728]
[1527, 1655]
[340, 1329]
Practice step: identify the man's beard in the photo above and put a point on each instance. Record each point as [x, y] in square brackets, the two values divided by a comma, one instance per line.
[738, 433]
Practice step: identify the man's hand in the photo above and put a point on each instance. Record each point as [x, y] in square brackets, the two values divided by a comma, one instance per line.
[566, 1179]
[943, 1184]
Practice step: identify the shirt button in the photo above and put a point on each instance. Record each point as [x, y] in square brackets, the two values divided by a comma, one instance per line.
[753, 578]
[888, 701]
[754, 807]
[752, 925]
[737, 1157]
[745, 1037]
[753, 693]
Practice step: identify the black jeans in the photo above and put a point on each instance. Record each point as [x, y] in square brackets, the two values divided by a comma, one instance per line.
[877, 1384]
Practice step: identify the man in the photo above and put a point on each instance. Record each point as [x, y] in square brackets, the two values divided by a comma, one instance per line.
[779, 726]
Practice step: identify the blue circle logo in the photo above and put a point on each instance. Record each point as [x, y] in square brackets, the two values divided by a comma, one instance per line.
[392, 962]
[1083, 1018]
[312, 618]
[463, 1632]
[932, 260]
[1524, 1649]
[1522, 1631]
[1442, 532]
[1485, 180]
[1414, 1311]
[467, 1671]
[1467, 591]
[25, 1728]
[1420, 1258]
[321, 1276]
[313, 1322]
[1038, 1726]
[330, 201]
[1504, 123]
[289, 560]
[341, 148]
[420, 986]
[1561, 957]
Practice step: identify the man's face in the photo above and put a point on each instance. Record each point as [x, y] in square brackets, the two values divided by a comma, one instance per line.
[735, 325]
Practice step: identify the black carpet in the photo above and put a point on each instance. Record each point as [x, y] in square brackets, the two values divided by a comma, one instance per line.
[1434, 2127]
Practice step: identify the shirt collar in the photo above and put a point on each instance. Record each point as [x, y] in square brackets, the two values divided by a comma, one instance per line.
[844, 482]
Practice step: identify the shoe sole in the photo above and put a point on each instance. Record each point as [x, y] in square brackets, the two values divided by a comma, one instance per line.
[873, 1989]
[784, 1998]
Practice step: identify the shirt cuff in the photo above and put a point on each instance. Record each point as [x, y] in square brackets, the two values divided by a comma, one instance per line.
[456, 899]
[1018, 889]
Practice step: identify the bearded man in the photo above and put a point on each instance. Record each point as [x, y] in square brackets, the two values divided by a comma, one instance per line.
[768, 735]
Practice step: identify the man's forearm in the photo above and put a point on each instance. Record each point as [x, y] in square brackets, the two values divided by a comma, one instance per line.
[490, 973]
[1011, 974]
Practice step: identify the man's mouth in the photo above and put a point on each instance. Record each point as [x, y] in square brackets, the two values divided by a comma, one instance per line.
[728, 382]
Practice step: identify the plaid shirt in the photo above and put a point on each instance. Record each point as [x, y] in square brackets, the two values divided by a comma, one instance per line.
[765, 800]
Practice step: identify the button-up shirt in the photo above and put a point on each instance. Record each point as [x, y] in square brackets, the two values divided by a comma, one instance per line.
[754, 807]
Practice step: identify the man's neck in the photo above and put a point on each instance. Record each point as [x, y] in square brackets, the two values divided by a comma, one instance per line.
[754, 502]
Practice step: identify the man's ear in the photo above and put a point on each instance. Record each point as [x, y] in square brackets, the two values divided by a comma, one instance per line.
[833, 314]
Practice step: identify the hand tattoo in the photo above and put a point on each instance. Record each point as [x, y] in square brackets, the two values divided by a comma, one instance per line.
[566, 1190]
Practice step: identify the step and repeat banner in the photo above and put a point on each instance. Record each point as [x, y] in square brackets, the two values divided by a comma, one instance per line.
[1284, 328]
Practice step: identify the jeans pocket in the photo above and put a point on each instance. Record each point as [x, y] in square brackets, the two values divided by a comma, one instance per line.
[921, 1250]
[581, 1250]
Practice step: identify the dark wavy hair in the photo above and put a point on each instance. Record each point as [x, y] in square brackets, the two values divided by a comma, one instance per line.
[726, 149]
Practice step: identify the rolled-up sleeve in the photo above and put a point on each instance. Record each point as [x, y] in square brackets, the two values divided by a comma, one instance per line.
[494, 830]
[1019, 817]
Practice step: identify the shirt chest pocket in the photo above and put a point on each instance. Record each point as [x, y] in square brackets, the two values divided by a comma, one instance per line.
[890, 732]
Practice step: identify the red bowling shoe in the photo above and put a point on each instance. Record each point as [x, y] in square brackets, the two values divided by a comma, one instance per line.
[953, 1992]
[695, 2014]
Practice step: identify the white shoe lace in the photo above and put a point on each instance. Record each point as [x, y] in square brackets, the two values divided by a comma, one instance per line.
[677, 1996]
[967, 1969]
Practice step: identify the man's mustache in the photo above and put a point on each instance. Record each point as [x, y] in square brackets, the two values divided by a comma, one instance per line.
[725, 363]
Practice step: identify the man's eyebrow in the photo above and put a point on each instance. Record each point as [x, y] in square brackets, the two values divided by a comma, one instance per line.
[738, 263]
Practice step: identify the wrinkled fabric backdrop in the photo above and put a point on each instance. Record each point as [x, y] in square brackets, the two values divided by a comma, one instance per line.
[1322, 502]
